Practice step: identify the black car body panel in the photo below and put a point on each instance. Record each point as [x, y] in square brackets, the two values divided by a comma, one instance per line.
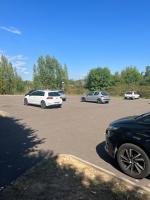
[128, 130]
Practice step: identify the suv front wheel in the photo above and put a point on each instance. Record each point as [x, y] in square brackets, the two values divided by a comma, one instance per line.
[133, 161]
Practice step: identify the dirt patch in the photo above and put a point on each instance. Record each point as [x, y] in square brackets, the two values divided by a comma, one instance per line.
[64, 177]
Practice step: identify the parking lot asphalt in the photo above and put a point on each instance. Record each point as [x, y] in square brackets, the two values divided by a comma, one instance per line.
[77, 128]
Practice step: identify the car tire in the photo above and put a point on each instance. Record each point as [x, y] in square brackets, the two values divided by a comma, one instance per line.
[83, 99]
[43, 104]
[25, 101]
[99, 101]
[133, 161]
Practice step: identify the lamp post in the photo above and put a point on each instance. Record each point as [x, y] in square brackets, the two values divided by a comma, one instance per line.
[62, 85]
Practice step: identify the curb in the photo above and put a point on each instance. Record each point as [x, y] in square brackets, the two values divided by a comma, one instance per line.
[108, 172]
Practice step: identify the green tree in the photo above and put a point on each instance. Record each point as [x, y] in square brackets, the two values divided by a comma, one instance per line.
[6, 76]
[48, 73]
[99, 78]
[116, 79]
[131, 75]
[147, 71]
[146, 76]
[10, 82]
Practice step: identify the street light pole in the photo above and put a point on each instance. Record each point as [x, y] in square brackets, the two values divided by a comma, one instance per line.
[62, 85]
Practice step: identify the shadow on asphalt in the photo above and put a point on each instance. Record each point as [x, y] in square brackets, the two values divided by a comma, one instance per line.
[49, 107]
[17, 149]
[100, 149]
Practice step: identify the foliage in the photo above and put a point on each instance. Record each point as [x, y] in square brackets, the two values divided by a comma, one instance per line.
[48, 73]
[130, 75]
[76, 87]
[10, 82]
[99, 78]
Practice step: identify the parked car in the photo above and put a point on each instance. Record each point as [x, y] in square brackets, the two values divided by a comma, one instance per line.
[99, 97]
[62, 94]
[44, 98]
[29, 92]
[131, 95]
[128, 141]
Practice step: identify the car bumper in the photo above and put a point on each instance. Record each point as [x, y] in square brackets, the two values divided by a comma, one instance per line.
[105, 100]
[109, 147]
[53, 103]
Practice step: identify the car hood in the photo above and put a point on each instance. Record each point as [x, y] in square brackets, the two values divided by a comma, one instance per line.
[124, 120]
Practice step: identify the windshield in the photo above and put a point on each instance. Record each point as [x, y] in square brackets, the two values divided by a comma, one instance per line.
[143, 115]
[128, 92]
[104, 93]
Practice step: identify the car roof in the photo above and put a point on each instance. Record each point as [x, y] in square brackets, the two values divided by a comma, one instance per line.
[46, 90]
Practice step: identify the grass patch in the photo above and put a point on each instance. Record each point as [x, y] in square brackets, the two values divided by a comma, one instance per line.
[64, 177]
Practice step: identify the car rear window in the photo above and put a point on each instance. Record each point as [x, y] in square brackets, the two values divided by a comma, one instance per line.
[128, 92]
[54, 94]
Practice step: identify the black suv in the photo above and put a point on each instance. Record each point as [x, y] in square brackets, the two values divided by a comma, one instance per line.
[128, 141]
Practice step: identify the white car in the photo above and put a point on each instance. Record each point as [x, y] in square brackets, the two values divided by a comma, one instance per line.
[131, 95]
[44, 98]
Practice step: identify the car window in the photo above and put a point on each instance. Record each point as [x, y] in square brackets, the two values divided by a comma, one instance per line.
[128, 92]
[90, 94]
[96, 93]
[146, 119]
[104, 93]
[34, 93]
[37, 93]
[41, 93]
[54, 94]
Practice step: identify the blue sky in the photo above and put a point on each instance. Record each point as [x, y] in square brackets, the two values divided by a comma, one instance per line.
[80, 33]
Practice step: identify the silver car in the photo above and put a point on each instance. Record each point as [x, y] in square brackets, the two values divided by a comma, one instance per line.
[99, 97]
[62, 94]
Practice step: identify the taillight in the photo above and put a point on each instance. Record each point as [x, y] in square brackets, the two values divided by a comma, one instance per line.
[49, 97]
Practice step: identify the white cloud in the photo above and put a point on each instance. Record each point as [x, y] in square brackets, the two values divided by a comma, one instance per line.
[19, 62]
[1, 51]
[11, 29]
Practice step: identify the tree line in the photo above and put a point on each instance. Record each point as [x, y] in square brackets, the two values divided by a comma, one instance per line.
[49, 73]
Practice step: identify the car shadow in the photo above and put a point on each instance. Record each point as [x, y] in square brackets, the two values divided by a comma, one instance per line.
[47, 108]
[93, 102]
[18, 149]
[101, 152]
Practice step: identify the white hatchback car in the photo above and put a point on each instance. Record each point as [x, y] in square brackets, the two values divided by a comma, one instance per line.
[131, 95]
[44, 98]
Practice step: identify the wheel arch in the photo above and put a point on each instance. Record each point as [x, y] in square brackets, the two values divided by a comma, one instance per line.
[131, 142]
